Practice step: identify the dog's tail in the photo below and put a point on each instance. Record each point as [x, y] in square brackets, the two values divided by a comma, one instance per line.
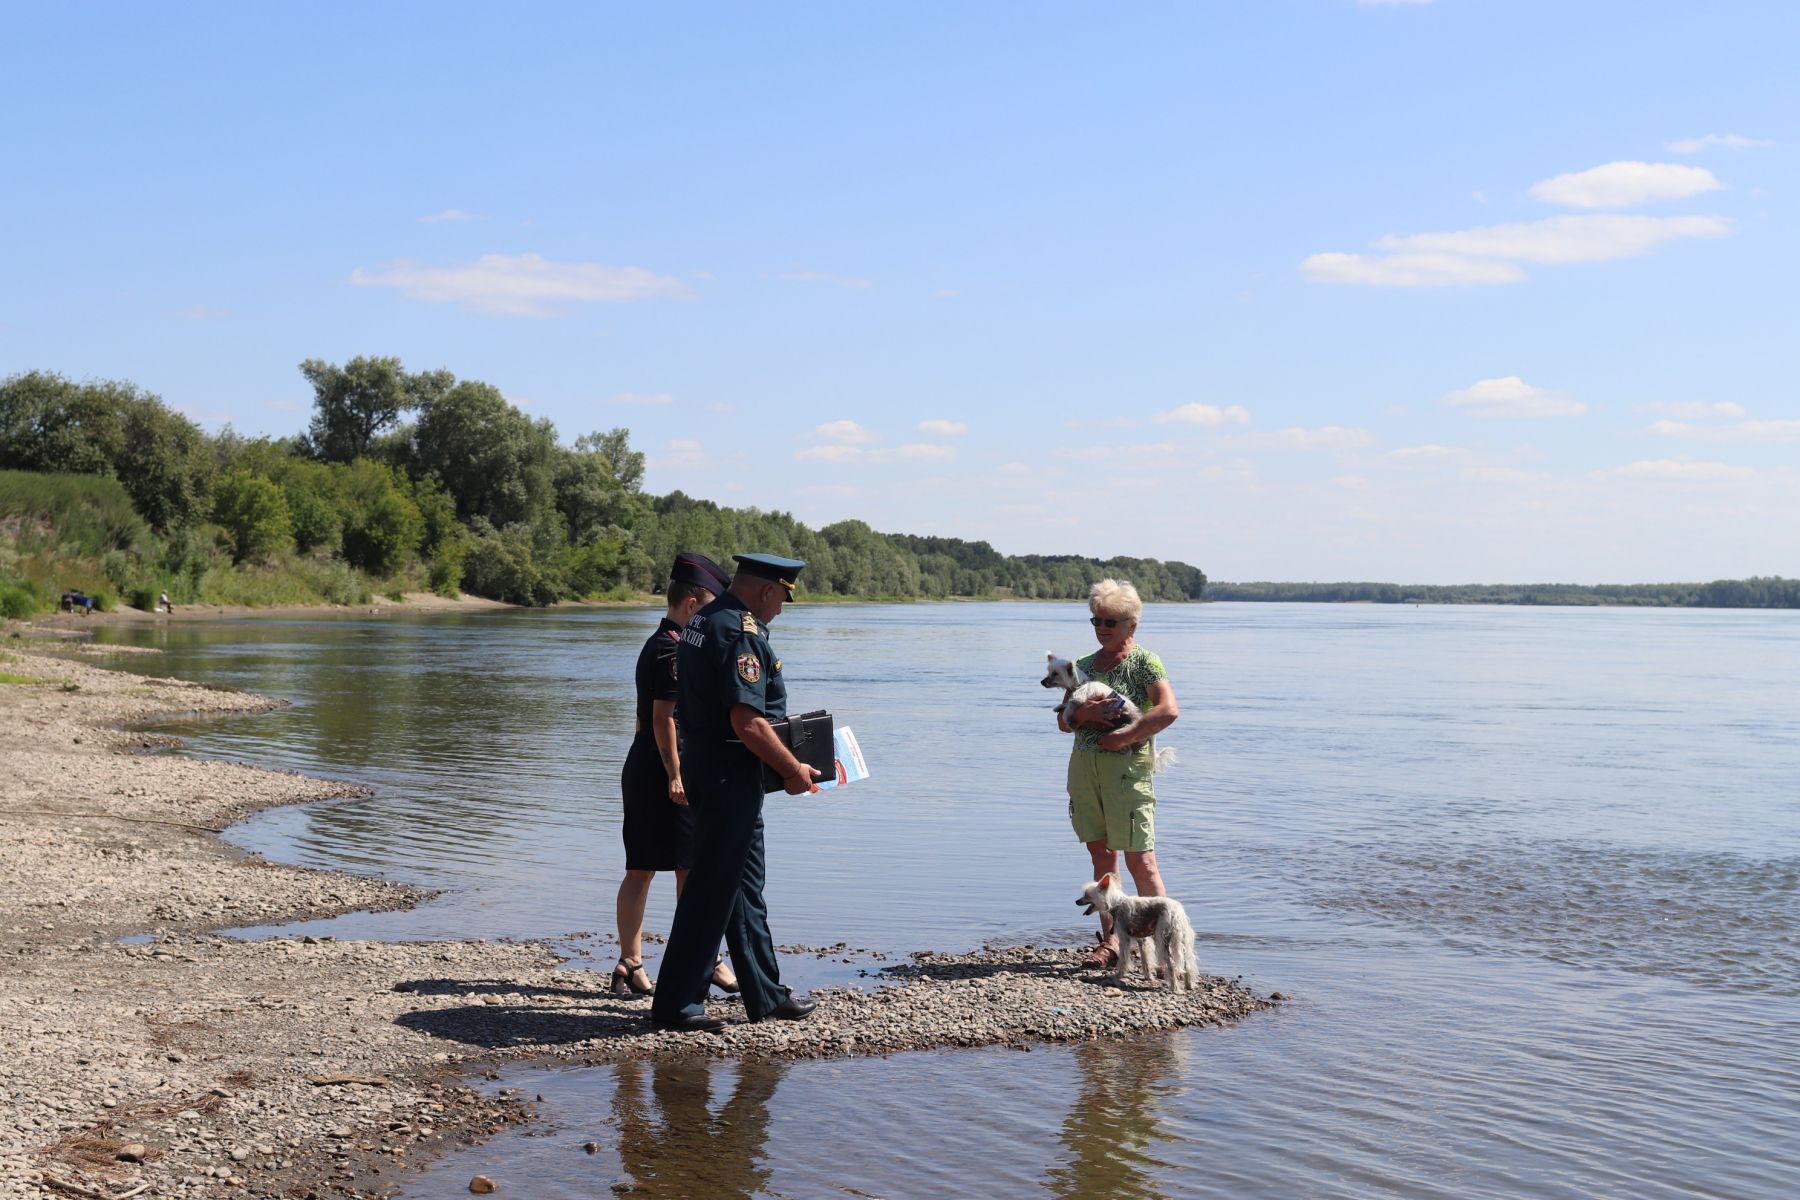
[1162, 760]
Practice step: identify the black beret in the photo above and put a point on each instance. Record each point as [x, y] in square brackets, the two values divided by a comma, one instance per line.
[701, 570]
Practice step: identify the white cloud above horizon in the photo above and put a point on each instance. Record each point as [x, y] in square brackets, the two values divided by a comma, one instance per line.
[938, 427]
[1726, 141]
[1206, 416]
[1510, 397]
[1625, 184]
[847, 433]
[1295, 437]
[1691, 410]
[1766, 431]
[1679, 470]
[642, 399]
[1408, 270]
[524, 285]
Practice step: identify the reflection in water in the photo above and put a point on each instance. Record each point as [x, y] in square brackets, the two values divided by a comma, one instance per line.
[670, 1141]
[1113, 1124]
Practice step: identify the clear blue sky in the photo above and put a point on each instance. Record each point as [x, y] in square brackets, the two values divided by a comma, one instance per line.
[1300, 289]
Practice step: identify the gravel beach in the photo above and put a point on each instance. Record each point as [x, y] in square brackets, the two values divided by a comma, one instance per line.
[191, 1064]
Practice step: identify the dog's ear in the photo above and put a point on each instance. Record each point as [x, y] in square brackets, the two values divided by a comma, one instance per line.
[1106, 882]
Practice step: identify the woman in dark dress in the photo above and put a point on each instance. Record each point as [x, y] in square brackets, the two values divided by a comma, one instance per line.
[659, 826]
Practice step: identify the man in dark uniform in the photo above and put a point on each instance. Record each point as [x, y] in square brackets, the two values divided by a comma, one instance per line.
[731, 688]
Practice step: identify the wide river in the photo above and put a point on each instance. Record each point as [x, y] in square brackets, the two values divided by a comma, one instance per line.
[1531, 875]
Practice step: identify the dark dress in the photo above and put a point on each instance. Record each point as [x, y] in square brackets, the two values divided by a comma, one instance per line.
[659, 835]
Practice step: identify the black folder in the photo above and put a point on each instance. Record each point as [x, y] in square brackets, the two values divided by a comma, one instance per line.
[811, 737]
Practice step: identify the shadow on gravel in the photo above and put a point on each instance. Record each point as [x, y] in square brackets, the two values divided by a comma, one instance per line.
[509, 1027]
[493, 987]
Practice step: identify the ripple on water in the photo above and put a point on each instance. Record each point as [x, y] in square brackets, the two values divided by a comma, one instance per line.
[1715, 919]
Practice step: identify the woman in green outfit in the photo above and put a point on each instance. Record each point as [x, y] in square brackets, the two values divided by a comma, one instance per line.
[1111, 802]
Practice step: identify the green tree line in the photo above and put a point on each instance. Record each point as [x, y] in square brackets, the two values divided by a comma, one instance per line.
[404, 480]
[1759, 592]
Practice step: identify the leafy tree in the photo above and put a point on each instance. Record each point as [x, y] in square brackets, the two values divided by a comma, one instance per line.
[354, 403]
[625, 464]
[494, 461]
[254, 515]
[382, 525]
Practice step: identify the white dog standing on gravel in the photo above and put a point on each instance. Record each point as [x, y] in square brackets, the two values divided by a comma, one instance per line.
[1158, 923]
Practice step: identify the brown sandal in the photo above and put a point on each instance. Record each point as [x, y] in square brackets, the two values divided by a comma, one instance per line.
[1103, 955]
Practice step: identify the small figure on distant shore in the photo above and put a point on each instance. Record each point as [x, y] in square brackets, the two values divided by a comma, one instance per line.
[162, 602]
[659, 822]
[1112, 804]
[731, 688]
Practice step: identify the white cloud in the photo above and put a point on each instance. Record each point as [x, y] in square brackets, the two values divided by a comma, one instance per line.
[1681, 470]
[1692, 410]
[1354, 483]
[925, 451]
[721, 408]
[847, 433]
[682, 452]
[1325, 437]
[643, 399]
[1139, 450]
[835, 454]
[1497, 475]
[1428, 453]
[1013, 468]
[1408, 270]
[1730, 141]
[941, 428]
[525, 285]
[843, 281]
[1625, 184]
[1206, 415]
[1736, 431]
[1510, 396]
[1595, 238]
[449, 214]
[1490, 254]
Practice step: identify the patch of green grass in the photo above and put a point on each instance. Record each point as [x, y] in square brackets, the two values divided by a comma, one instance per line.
[8, 677]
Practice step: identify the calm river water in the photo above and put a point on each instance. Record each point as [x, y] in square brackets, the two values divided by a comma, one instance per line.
[1532, 875]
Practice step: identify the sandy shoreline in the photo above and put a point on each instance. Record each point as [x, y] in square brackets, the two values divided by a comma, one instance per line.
[296, 1066]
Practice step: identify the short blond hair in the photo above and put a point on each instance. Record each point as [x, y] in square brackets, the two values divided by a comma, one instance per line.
[1115, 598]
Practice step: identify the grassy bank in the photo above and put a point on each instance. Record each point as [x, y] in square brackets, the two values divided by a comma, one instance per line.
[80, 532]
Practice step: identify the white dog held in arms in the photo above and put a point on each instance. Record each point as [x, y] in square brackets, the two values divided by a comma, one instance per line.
[1078, 689]
[1159, 924]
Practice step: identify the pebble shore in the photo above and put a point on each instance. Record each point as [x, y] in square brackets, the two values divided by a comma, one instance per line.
[198, 1065]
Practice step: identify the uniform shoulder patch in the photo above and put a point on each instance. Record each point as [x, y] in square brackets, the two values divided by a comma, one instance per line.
[776, 669]
[749, 622]
[749, 668]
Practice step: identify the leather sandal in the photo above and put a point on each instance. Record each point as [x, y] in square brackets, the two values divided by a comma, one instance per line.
[625, 977]
[722, 978]
[1104, 955]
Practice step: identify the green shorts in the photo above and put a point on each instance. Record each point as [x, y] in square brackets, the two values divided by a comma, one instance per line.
[1110, 797]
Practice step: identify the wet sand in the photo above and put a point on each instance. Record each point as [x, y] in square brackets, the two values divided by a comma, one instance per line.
[199, 1065]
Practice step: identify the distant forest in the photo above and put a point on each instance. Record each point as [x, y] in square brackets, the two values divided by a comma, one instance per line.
[405, 481]
[1769, 592]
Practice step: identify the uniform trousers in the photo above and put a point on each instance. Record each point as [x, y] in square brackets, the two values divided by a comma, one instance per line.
[723, 896]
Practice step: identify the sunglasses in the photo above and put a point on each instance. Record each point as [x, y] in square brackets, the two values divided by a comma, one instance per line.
[1109, 622]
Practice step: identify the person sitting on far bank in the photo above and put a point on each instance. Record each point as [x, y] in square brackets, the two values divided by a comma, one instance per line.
[731, 689]
[659, 822]
[1111, 801]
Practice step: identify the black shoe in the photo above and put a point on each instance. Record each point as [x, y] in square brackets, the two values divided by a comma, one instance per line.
[792, 1009]
[689, 1024]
